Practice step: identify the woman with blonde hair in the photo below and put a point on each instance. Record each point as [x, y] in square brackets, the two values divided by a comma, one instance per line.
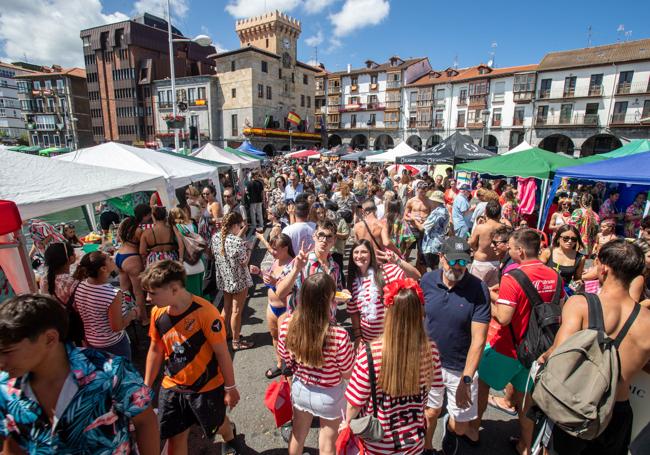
[344, 198]
[319, 354]
[179, 220]
[402, 365]
[562, 216]
[231, 256]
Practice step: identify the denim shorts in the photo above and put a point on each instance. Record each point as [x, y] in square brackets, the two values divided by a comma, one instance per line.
[325, 402]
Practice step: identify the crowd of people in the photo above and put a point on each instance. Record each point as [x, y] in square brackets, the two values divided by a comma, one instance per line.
[393, 297]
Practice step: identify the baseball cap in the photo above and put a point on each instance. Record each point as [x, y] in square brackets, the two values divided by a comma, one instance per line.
[465, 187]
[438, 196]
[455, 248]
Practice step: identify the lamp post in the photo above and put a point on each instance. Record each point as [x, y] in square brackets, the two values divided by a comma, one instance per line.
[368, 124]
[485, 117]
[290, 140]
[201, 40]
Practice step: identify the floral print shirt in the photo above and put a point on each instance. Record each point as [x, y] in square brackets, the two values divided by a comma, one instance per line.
[103, 393]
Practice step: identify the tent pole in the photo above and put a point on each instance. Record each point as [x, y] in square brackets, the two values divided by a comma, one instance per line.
[89, 214]
[542, 202]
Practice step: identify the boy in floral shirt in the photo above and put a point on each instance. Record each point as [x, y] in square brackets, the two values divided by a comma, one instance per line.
[56, 398]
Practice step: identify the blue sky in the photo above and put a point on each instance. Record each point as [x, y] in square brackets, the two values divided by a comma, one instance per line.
[347, 31]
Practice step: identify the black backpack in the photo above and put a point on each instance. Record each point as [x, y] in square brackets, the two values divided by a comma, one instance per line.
[544, 322]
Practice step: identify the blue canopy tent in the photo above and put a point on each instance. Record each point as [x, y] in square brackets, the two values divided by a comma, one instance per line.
[248, 148]
[631, 170]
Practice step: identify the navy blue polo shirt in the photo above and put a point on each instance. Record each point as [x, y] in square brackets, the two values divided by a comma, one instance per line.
[449, 314]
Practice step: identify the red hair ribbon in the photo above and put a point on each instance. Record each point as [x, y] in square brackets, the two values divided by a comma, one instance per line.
[391, 290]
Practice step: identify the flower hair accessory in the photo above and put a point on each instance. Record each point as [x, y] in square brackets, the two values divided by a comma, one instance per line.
[391, 290]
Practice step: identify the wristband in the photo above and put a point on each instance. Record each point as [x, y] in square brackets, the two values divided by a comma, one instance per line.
[229, 388]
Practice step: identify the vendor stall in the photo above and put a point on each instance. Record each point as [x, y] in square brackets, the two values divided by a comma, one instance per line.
[457, 148]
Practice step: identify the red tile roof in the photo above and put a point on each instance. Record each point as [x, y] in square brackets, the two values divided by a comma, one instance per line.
[72, 72]
[451, 75]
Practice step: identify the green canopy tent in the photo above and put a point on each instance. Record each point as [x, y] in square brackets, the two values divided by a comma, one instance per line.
[243, 154]
[634, 147]
[31, 149]
[15, 148]
[534, 162]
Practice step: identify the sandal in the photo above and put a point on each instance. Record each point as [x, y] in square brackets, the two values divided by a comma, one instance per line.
[492, 402]
[242, 345]
[273, 372]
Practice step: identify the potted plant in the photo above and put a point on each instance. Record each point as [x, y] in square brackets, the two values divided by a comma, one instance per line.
[174, 121]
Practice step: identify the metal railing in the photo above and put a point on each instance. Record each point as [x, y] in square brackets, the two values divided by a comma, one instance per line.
[393, 84]
[393, 104]
[627, 88]
[623, 118]
[580, 91]
[567, 120]
[331, 90]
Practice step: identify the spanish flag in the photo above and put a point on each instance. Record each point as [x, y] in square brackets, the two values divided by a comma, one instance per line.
[294, 118]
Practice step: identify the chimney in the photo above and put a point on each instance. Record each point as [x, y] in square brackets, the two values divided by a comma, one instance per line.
[349, 68]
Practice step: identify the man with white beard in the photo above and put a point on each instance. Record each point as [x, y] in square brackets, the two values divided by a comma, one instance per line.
[457, 307]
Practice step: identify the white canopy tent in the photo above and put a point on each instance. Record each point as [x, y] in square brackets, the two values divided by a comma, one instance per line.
[177, 170]
[211, 152]
[40, 186]
[520, 148]
[402, 149]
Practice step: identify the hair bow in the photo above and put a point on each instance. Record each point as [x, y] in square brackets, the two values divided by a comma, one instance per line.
[391, 290]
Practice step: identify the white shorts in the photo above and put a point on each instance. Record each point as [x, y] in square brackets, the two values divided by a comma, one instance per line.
[450, 379]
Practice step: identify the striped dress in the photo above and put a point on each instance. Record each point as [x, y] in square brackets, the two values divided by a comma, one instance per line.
[368, 302]
[92, 301]
[338, 357]
[402, 418]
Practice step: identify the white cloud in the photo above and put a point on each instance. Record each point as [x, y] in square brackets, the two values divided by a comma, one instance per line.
[316, 6]
[47, 31]
[315, 40]
[159, 8]
[356, 14]
[249, 8]
[334, 44]
[312, 62]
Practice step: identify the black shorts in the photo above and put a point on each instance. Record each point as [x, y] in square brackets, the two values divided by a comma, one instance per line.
[613, 441]
[177, 411]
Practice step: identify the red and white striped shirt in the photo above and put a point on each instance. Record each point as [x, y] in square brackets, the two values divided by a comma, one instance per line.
[402, 418]
[366, 300]
[338, 357]
[93, 301]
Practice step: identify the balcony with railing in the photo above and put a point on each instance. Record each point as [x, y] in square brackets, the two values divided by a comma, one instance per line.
[439, 102]
[631, 119]
[462, 101]
[438, 124]
[362, 107]
[319, 92]
[627, 88]
[333, 89]
[424, 103]
[478, 100]
[424, 124]
[413, 105]
[393, 105]
[581, 91]
[475, 125]
[517, 122]
[333, 108]
[393, 85]
[562, 120]
[391, 124]
[333, 124]
[523, 97]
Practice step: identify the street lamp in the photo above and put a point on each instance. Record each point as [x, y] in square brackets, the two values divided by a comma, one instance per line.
[485, 117]
[369, 124]
[201, 40]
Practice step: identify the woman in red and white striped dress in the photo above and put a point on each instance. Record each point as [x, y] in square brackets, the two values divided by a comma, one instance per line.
[366, 280]
[320, 355]
[406, 365]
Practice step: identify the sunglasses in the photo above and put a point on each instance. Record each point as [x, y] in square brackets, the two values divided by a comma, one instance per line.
[567, 238]
[453, 262]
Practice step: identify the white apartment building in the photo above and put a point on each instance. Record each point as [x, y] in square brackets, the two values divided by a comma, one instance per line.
[578, 102]
[589, 100]
[365, 107]
[12, 123]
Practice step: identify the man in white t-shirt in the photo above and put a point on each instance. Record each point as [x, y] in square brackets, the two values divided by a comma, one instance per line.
[301, 232]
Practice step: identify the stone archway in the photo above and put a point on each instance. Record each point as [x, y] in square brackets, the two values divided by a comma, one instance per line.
[269, 149]
[600, 143]
[359, 141]
[491, 143]
[334, 140]
[557, 143]
[383, 142]
[414, 142]
[434, 140]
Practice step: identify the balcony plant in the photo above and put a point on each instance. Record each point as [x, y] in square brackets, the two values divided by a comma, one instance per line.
[174, 121]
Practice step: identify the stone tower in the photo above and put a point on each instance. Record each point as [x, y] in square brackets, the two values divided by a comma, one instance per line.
[274, 32]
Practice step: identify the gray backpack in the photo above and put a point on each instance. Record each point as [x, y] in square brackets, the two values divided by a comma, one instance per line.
[576, 387]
